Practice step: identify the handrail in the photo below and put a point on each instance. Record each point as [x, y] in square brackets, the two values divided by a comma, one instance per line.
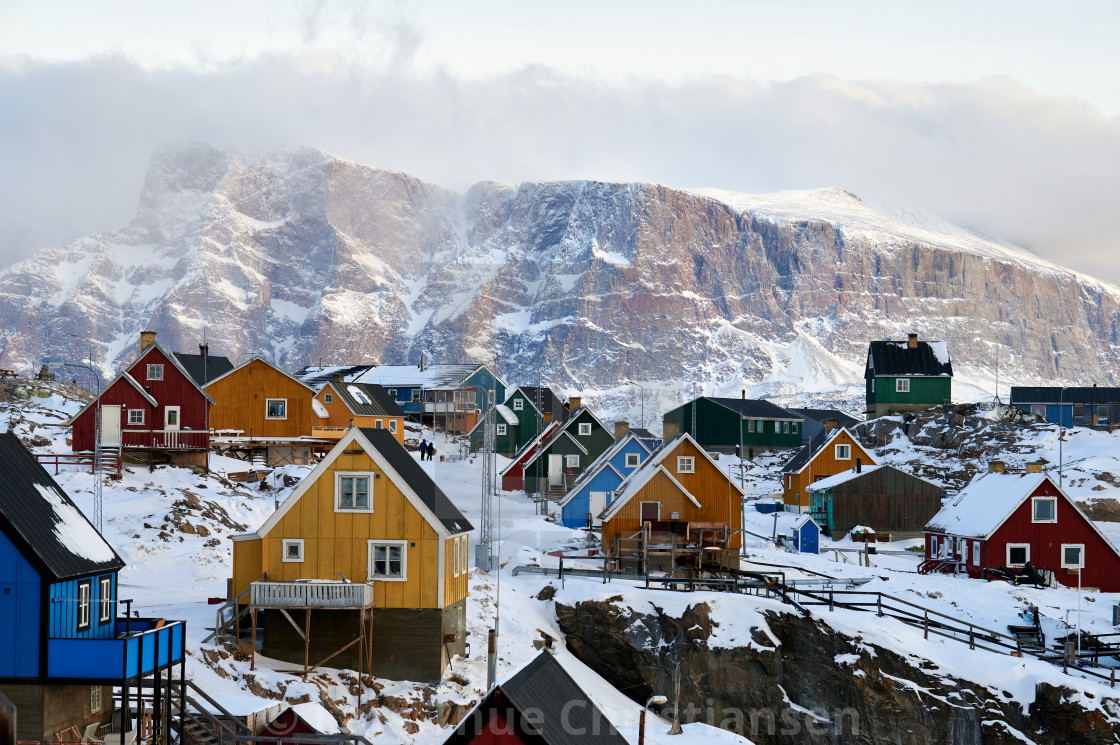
[219, 624]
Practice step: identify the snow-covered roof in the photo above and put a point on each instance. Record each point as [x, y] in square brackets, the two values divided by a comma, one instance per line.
[507, 414]
[982, 506]
[319, 409]
[432, 377]
[841, 478]
[925, 358]
[317, 717]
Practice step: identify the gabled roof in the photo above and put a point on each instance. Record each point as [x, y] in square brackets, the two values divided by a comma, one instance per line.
[507, 414]
[546, 432]
[928, 358]
[365, 399]
[173, 361]
[432, 377]
[263, 361]
[204, 370]
[603, 461]
[316, 375]
[823, 415]
[643, 434]
[754, 408]
[1090, 394]
[564, 431]
[43, 523]
[548, 707]
[820, 441]
[549, 401]
[634, 484]
[555, 438]
[399, 466]
[850, 475]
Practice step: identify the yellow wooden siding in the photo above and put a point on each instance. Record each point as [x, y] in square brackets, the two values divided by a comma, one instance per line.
[824, 464]
[455, 585]
[337, 542]
[240, 401]
[340, 416]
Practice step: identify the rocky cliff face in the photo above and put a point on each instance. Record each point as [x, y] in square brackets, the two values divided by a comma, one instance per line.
[797, 681]
[299, 256]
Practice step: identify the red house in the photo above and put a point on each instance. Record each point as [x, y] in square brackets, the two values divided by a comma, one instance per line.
[153, 406]
[513, 476]
[1003, 519]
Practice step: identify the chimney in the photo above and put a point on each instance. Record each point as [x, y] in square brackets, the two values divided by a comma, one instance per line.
[620, 429]
[147, 339]
[913, 341]
[859, 465]
[574, 403]
[997, 466]
[744, 394]
[670, 429]
[547, 418]
[337, 377]
[1035, 467]
[830, 424]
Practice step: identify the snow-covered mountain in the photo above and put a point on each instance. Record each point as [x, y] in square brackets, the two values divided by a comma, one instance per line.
[300, 256]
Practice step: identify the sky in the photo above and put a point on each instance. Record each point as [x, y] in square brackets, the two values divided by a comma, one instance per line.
[1003, 117]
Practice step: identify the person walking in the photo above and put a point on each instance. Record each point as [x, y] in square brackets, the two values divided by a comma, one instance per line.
[423, 448]
[431, 451]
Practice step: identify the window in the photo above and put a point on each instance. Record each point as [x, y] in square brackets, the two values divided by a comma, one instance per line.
[455, 556]
[415, 394]
[686, 464]
[750, 425]
[105, 599]
[501, 429]
[94, 699]
[352, 493]
[785, 428]
[976, 554]
[328, 398]
[933, 546]
[1018, 554]
[1073, 556]
[1038, 410]
[1044, 510]
[393, 426]
[793, 427]
[902, 385]
[466, 540]
[155, 372]
[632, 460]
[585, 428]
[135, 417]
[777, 428]
[843, 452]
[171, 417]
[276, 408]
[377, 424]
[571, 461]
[293, 550]
[83, 605]
[1078, 414]
[518, 404]
[387, 560]
[873, 385]
[470, 397]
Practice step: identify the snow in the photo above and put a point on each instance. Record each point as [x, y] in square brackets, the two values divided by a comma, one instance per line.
[319, 718]
[73, 529]
[319, 409]
[506, 413]
[940, 350]
[984, 504]
[842, 477]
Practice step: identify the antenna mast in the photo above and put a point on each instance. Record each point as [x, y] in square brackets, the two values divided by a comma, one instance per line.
[486, 529]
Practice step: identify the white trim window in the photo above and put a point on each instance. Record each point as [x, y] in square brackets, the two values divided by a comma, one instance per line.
[388, 561]
[750, 426]
[328, 398]
[463, 547]
[105, 599]
[843, 452]
[135, 417]
[276, 408]
[1073, 556]
[455, 556]
[378, 424]
[976, 553]
[293, 551]
[873, 385]
[94, 699]
[393, 426]
[518, 404]
[571, 461]
[1044, 509]
[154, 372]
[501, 429]
[584, 429]
[902, 385]
[686, 464]
[633, 460]
[83, 605]
[1018, 554]
[352, 492]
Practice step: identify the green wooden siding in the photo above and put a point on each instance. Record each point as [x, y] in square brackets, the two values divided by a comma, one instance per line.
[529, 423]
[720, 427]
[923, 390]
[595, 443]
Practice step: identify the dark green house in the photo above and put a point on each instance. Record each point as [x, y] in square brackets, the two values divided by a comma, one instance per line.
[560, 461]
[724, 424]
[519, 418]
[907, 375]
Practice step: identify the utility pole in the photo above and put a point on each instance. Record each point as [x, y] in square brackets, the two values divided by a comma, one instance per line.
[486, 529]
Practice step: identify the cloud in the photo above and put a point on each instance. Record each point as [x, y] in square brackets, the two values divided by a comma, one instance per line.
[995, 156]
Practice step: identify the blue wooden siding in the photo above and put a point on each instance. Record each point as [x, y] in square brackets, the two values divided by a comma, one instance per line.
[113, 658]
[618, 460]
[574, 512]
[483, 381]
[64, 609]
[19, 614]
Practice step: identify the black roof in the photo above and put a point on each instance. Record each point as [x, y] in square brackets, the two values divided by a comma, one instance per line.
[899, 358]
[542, 704]
[755, 408]
[376, 402]
[823, 415]
[203, 370]
[316, 375]
[30, 520]
[1053, 395]
[643, 434]
[549, 401]
[805, 454]
[417, 479]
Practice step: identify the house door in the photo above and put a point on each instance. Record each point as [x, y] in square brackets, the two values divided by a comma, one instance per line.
[171, 418]
[597, 502]
[651, 512]
[111, 425]
[555, 470]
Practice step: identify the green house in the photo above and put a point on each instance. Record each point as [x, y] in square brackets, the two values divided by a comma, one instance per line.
[909, 375]
[519, 418]
[561, 460]
[724, 424]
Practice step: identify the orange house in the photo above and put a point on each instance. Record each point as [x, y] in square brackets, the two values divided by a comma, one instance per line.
[358, 404]
[828, 454]
[682, 495]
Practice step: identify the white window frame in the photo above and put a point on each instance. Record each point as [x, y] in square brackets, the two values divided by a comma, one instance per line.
[584, 429]
[1081, 563]
[640, 510]
[976, 553]
[873, 385]
[842, 448]
[85, 589]
[777, 428]
[1007, 554]
[571, 461]
[156, 369]
[501, 429]
[403, 545]
[793, 427]
[1034, 508]
[902, 385]
[378, 424]
[139, 423]
[284, 551]
[338, 476]
[518, 404]
[94, 699]
[465, 553]
[167, 410]
[633, 460]
[750, 426]
[393, 426]
[105, 599]
[268, 402]
[455, 556]
[686, 464]
[328, 398]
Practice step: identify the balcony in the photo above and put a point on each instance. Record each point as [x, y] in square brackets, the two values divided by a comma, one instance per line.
[166, 439]
[311, 594]
[328, 433]
[142, 646]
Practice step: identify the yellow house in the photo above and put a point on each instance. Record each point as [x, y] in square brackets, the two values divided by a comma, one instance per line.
[368, 513]
[340, 405]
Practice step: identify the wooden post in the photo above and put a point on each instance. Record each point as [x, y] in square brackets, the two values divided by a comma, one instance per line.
[306, 641]
[361, 646]
[253, 651]
[925, 625]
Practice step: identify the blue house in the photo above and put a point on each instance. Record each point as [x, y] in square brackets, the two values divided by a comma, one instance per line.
[590, 494]
[1082, 406]
[451, 398]
[62, 646]
[806, 536]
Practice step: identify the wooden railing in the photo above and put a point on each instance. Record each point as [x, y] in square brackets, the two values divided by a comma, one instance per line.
[166, 439]
[311, 594]
[110, 461]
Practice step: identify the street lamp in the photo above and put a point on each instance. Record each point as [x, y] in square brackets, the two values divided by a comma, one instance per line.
[654, 700]
[643, 390]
